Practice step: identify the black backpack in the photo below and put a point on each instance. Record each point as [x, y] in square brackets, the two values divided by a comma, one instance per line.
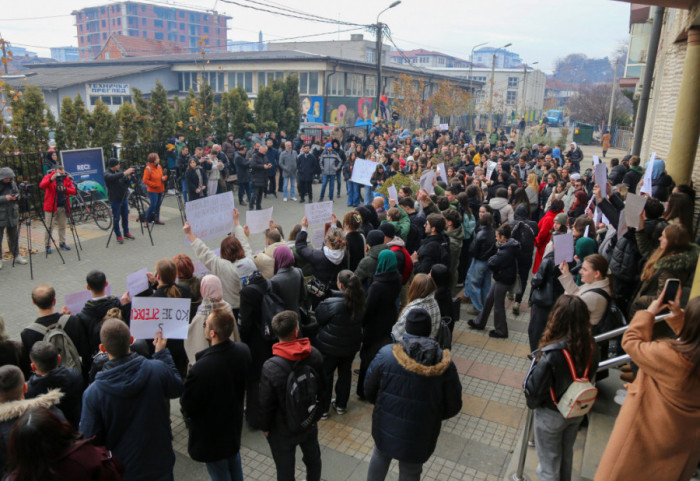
[524, 235]
[613, 317]
[444, 334]
[272, 305]
[302, 394]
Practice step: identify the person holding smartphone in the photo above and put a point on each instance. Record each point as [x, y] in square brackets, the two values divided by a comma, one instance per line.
[9, 213]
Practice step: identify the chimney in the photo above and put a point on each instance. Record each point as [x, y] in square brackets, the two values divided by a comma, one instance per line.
[356, 37]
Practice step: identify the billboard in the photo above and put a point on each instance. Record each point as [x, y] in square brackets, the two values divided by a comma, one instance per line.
[85, 165]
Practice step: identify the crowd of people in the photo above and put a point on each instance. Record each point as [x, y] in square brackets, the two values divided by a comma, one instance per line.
[268, 332]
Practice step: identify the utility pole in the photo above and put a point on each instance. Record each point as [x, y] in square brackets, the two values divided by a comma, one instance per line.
[612, 98]
[522, 103]
[380, 33]
[493, 72]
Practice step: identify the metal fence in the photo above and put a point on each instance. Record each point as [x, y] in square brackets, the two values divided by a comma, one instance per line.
[621, 137]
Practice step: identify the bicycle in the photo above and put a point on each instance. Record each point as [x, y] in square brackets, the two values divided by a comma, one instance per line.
[85, 206]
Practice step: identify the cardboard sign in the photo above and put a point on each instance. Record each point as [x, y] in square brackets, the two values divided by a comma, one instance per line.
[362, 171]
[75, 301]
[152, 314]
[393, 193]
[210, 216]
[319, 213]
[426, 181]
[137, 282]
[258, 220]
[563, 248]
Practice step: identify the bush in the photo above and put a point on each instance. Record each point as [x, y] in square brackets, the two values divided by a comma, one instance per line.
[400, 180]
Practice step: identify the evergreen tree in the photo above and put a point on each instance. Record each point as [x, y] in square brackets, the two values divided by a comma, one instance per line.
[161, 114]
[143, 120]
[29, 123]
[82, 123]
[104, 129]
[65, 130]
[242, 116]
[126, 116]
[292, 105]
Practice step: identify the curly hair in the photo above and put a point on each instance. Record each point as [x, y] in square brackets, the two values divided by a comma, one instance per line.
[335, 238]
[569, 319]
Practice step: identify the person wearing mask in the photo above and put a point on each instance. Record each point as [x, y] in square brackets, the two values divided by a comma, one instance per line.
[505, 273]
[9, 214]
[154, 180]
[665, 395]
[58, 187]
[568, 335]
[403, 379]
[339, 338]
[117, 183]
[212, 300]
[380, 313]
[212, 399]
[288, 166]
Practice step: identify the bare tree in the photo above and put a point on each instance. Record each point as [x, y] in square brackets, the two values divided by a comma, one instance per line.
[591, 104]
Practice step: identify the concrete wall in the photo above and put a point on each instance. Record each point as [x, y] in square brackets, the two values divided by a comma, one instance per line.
[347, 49]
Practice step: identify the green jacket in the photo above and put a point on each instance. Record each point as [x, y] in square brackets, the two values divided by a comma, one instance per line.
[403, 225]
[493, 138]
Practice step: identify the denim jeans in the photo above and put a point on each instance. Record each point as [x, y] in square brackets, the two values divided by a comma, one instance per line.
[284, 448]
[245, 188]
[153, 212]
[184, 189]
[120, 209]
[285, 181]
[369, 195]
[478, 283]
[228, 469]
[554, 441]
[327, 179]
[339, 180]
[353, 193]
[379, 467]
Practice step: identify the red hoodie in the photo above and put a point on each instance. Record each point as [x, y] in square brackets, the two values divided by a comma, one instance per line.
[295, 350]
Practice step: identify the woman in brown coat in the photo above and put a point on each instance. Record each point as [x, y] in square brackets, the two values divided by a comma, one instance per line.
[657, 433]
[606, 142]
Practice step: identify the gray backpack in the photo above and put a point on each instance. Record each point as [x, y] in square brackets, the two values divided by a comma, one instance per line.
[56, 335]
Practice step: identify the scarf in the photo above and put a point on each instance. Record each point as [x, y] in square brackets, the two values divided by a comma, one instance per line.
[283, 257]
[386, 262]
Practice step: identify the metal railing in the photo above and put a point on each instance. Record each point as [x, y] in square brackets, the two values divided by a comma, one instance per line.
[519, 474]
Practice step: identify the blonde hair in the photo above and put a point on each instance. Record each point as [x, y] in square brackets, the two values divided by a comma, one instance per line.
[532, 182]
[335, 238]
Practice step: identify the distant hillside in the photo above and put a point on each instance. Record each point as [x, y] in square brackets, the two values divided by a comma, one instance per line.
[577, 68]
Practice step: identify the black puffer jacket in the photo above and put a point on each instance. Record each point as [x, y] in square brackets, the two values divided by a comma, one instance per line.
[429, 253]
[340, 334]
[380, 308]
[94, 312]
[617, 174]
[661, 187]
[414, 386]
[552, 370]
[546, 279]
[483, 245]
[625, 260]
[258, 170]
[503, 265]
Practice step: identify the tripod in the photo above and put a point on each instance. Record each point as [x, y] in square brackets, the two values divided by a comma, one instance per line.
[173, 185]
[26, 219]
[66, 208]
[140, 208]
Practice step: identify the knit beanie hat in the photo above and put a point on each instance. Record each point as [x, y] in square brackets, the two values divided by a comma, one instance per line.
[388, 229]
[375, 237]
[418, 322]
[561, 218]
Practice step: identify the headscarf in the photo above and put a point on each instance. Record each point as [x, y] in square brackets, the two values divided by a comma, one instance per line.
[212, 294]
[386, 262]
[657, 169]
[283, 257]
[585, 246]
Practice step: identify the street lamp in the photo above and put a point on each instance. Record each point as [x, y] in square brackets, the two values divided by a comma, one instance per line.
[493, 70]
[471, 67]
[380, 34]
[522, 103]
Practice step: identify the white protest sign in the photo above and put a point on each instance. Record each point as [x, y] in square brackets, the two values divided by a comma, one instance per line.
[393, 193]
[319, 213]
[362, 171]
[200, 270]
[258, 220]
[490, 167]
[426, 181]
[647, 183]
[622, 225]
[634, 205]
[601, 178]
[590, 203]
[318, 237]
[76, 300]
[152, 314]
[585, 232]
[137, 282]
[563, 248]
[444, 127]
[596, 160]
[210, 216]
[442, 171]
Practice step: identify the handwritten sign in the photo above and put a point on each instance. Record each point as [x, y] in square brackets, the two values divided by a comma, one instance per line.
[647, 183]
[490, 167]
[444, 127]
[442, 171]
[210, 216]
[75, 301]
[137, 282]
[152, 314]
[319, 213]
[258, 220]
[563, 248]
[362, 171]
[318, 237]
[426, 181]
[393, 193]
[601, 178]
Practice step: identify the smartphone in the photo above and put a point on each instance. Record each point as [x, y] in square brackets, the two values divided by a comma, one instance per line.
[671, 287]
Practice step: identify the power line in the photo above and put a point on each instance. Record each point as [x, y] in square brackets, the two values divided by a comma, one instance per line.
[403, 55]
[290, 15]
[34, 18]
[299, 12]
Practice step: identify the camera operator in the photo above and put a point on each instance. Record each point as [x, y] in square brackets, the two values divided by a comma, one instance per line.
[117, 187]
[59, 187]
[9, 214]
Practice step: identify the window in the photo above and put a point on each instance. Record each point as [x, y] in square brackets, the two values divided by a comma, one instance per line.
[172, 37]
[119, 8]
[119, 21]
[241, 79]
[133, 33]
[388, 86]
[336, 84]
[512, 97]
[145, 34]
[371, 55]
[512, 83]
[106, 99]
[206, 29]
[181, 14]
[81, 27]
[104, 23]
[441, 60]
[143, 21]
[93, 99]
[266, 78]
[308, 83]
[182, 39]
[116, 100]
[313, 83]
[182, 26]
[157, 23]
[102, 11]
[143, 8]
[205, 18]
[158, 35]
[370, 86]
[354, 85]
[104, 36]
[172, 26]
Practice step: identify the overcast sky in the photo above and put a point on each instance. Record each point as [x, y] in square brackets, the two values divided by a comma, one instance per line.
[540, 30]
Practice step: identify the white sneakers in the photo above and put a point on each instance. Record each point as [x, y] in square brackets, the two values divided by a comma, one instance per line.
[294, 199]
[20, 260]
[284, 200]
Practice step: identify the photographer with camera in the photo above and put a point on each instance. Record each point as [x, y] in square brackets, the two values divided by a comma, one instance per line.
[9, 214]
[155, 185]
[59, 187]
[117, 183]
